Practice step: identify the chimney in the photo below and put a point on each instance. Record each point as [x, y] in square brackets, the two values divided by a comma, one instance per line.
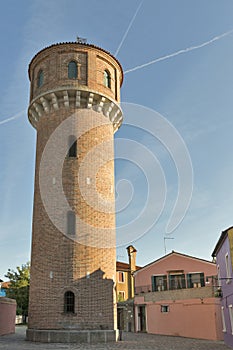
[132, 268]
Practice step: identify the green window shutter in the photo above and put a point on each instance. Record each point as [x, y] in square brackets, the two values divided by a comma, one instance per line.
[153, 283]
[202, 278]
[189, 282]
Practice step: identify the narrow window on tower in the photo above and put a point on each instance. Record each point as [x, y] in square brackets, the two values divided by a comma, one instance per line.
[40, 78]
[69, 302]
[107, 79]
[72, 147]
[71, 223]
[72, 70]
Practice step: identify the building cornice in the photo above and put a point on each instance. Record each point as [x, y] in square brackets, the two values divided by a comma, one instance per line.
[70, 97]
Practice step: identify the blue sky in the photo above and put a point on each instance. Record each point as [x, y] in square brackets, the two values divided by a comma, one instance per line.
[193, 91]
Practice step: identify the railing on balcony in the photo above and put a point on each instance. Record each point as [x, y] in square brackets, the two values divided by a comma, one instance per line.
[143, 289]
[181, 283]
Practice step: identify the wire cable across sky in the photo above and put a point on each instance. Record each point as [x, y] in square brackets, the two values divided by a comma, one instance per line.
[16, 116]
[128, 29]
[191, 48]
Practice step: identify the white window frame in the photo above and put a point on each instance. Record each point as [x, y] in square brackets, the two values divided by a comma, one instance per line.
[165, 309]
[231, 317]
[122, 293]
[223, 319]
[228, 273]
[123, 274]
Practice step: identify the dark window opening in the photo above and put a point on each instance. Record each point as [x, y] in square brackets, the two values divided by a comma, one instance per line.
[195, 280]
[107, 79]
[40, 79]
[121, 276]
[72, 70]
[71, 223]
[159, 283]
[69, 302]
[72, 147]
[177, 281]
[164, 308]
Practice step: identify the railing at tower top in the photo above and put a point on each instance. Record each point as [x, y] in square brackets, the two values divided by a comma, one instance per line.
[80, 40]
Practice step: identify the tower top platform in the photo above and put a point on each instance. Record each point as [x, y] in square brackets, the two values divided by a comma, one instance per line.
[74, 75]
[78, 45]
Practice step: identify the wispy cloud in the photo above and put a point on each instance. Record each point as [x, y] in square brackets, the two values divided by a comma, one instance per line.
[188, 49]
[16, 116]
[128, 29]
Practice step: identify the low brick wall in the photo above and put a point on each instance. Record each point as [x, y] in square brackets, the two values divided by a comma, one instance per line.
[179, 294]
[7, 315]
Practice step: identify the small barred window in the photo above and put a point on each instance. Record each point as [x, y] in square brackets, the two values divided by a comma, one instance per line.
[69, 302]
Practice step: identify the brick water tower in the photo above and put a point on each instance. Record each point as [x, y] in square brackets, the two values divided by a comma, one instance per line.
[74, 106]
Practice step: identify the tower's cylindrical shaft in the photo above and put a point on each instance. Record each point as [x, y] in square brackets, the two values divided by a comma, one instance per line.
[74, 98]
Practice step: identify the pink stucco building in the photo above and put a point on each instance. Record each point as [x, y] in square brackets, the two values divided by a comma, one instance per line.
[7, 315]
[174, 295]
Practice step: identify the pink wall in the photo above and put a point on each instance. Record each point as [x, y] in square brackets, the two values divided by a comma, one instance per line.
[173, 262]
[186, 318]
[7, 315]
[196, 315]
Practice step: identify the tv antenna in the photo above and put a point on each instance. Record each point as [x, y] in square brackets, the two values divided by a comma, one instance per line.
[164, 240]
[80, 40]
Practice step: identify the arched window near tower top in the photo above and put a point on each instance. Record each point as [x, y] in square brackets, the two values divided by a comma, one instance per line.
[107, 79]
[69, 302]
[40, 78]
[72, 70]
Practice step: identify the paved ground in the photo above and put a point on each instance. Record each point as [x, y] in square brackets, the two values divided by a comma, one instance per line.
[131, 341]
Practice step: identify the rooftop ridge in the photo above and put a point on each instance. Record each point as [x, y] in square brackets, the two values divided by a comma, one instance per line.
[176, 253]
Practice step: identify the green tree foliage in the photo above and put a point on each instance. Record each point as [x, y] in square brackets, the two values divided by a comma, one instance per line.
[19, 287]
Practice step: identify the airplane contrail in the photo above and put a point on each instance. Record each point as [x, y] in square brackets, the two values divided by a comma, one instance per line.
[12, 118]
[128, 29]
[191, 48]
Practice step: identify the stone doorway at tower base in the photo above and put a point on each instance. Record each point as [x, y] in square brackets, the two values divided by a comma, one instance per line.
[72, 336]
